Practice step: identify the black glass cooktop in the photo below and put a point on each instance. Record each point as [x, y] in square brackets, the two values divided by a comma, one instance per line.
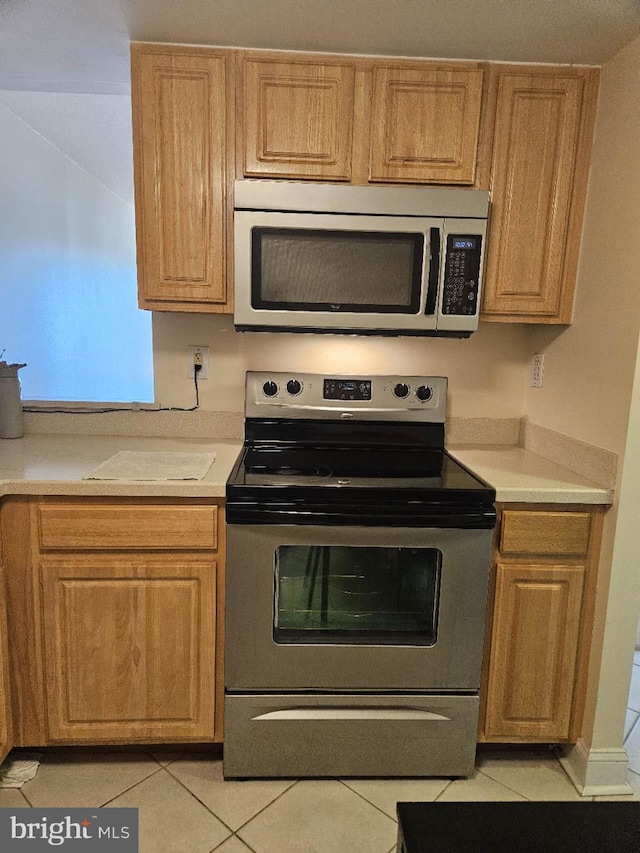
[372, 485]
[362, 468]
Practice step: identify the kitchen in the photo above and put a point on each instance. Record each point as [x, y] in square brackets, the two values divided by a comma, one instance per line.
[585, 395]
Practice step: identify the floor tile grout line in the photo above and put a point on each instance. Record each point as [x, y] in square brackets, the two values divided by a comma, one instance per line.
[195, 797]
[362, 796]
[222, 843]
[508, 787]
[139, 782]
[281, 794]
[151, 755]
[26, 798]
[224, 823]
[486, 775]
[449, 783]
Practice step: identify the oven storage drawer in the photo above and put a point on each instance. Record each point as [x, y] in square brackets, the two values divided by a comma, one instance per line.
[292, 735]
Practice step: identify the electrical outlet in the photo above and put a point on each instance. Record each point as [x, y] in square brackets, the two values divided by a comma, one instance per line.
[537, 370]
[198, 355]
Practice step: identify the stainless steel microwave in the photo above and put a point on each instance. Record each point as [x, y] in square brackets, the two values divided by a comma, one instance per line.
[358, 260]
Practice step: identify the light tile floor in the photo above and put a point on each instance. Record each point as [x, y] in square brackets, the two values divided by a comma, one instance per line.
[187, 807]
[632, 724]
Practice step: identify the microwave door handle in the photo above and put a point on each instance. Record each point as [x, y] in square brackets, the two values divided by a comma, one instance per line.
[434, 271]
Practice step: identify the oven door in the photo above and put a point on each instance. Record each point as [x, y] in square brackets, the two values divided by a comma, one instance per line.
[348, 608]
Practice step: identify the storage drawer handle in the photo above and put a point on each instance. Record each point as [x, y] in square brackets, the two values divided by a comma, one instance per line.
[351, 714]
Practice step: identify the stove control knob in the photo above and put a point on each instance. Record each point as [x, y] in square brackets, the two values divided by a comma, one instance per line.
[401, 390]
[424, 393]
[294, 387]
[270, 389]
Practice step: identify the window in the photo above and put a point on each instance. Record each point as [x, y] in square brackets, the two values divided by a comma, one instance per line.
[67, 270]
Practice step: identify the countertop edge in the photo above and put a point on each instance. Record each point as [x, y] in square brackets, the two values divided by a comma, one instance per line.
[107, 488]
[576, 490]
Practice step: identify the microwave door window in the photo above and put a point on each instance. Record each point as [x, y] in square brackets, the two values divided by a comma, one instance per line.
[324, 270]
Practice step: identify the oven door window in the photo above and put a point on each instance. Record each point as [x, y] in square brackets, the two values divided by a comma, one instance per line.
[353, 595]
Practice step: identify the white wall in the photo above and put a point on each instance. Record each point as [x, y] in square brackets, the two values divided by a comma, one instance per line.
[67, 275]
[486, 372]
[589, 377]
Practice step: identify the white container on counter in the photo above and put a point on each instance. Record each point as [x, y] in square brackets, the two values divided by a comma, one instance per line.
[10, 402]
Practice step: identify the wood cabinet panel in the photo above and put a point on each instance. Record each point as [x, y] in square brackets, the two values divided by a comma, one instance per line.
[180, 142]
[542, 136]
[297, 118]
[534, 643]
[107, 527]
[6, 715]
[545, 532]
[19, 539]
[425, 124]
[129, 648]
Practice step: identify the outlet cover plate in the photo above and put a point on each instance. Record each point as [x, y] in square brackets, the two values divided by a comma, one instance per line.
[191, 355]
[537, 370]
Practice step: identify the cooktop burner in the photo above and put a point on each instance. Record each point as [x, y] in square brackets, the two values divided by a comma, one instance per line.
[288, 471]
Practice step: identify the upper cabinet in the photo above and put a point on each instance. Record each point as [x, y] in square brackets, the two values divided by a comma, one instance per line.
[539, 168]
[203, 117]
[315, 117]
[425, 124]
[180, 156]
[298, 119]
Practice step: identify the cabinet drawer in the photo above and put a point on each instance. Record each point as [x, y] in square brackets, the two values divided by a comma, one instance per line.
[544, 532]
[115, 527]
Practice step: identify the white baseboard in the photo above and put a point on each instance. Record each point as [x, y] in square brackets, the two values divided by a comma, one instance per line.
[596, 772]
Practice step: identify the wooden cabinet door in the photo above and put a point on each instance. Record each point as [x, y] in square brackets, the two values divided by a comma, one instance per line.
[179, 130]
[542, 138]
[424, 126]
[297, 118]
[6, 726]
[129, 648]
[534, 642]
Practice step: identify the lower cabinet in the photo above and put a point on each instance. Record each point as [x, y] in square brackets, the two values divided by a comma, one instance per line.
[115, 622]
[129, 648]
[539, 624]
[115, 619]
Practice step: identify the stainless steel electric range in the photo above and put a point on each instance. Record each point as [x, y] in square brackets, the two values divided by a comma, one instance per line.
[356, 584]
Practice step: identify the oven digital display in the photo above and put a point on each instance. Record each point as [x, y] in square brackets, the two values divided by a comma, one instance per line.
[347, 389]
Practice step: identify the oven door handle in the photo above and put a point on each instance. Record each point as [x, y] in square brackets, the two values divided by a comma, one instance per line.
[352, 713]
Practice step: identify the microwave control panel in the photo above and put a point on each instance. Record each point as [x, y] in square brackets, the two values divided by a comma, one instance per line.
[461, 274]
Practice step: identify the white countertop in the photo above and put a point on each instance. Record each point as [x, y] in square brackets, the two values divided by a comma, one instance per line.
[55, 464]
[43, 464]
[520, 476]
